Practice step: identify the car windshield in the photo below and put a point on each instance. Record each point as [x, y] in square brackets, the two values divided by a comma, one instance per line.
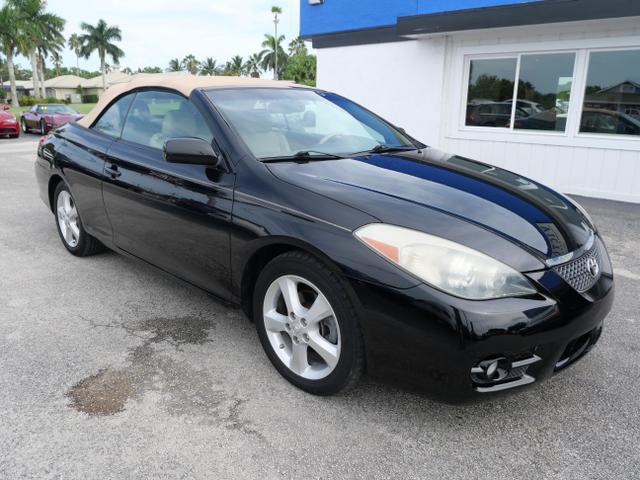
[55, 109]
[283, 122]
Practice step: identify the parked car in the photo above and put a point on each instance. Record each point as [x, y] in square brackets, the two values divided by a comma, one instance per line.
[9, 125]
[593, 120]
[492, 114]
[351, 245]
[43, 117]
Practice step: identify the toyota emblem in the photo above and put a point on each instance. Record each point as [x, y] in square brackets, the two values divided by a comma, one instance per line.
[592, 266]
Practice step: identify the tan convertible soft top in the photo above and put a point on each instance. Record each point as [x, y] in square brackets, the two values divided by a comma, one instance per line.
[184, 84]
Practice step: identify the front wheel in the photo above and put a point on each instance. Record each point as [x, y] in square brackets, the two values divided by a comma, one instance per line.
[43, 127]
[308, 325]
[23, 124]
[74, 238]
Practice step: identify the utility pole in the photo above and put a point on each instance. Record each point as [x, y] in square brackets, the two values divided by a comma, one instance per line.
[276, 20]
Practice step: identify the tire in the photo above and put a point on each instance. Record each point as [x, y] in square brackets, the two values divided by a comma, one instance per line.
[43, 127]
[333, 358]
[23, 124]
[72, 234]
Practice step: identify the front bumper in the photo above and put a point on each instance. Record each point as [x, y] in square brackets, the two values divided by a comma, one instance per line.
[9, 128]
[437, 343]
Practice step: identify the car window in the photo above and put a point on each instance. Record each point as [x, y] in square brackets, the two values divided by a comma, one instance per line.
[156, 116]
[111, 121]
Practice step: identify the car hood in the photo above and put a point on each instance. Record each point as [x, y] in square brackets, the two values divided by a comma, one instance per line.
[63, 117]
[407, 188]
[5, 116]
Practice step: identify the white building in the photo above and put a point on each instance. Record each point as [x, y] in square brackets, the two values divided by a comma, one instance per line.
[549, 88]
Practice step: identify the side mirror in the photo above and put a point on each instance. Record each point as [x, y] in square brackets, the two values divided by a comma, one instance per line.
[192, 151]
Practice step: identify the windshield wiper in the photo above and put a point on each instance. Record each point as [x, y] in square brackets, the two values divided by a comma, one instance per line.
[382, 148]
[303, 156]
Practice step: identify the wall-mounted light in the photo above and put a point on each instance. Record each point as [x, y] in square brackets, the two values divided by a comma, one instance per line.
[316, 2]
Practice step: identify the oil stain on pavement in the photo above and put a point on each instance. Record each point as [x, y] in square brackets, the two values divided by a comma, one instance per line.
[183, 390]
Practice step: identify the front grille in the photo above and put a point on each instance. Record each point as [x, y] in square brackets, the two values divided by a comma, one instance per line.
[8, 130]
[579, 273]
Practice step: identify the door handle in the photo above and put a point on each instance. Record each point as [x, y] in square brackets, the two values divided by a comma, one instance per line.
[112, 171]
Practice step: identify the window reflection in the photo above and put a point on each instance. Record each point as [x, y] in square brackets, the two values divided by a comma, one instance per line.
[612, 95]
[544, 90]
[490, 94]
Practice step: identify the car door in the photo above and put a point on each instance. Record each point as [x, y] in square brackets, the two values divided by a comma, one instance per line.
[82, 159]
[175, 216]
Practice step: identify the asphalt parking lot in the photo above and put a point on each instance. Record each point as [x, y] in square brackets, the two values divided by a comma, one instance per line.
[110, 369]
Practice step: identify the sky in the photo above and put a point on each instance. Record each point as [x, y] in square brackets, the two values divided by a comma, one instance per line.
[155, 31]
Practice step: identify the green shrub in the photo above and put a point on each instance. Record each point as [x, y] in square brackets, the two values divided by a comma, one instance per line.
[90, 99]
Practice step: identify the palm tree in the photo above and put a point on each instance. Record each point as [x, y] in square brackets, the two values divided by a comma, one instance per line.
[208, 67]
[100, 38]
[75, 45]
[269, 61]
[175, 65]
[276, 19]
[56, 58]
[9, 38]
[252, 66]
[191, 64]
[40, 31]
[297, 47]
[236, 66]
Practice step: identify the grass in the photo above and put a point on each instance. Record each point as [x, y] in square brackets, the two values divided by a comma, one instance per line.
[78, 107]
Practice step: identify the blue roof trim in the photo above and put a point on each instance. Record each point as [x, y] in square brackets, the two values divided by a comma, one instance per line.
[345, 15]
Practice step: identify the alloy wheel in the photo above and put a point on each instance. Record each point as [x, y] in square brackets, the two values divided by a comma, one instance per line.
[43, 127]
[68, 219]
[24, 126]
[302, 327]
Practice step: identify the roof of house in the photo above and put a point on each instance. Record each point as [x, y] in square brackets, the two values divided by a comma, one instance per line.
[65, 81]
[184, 84]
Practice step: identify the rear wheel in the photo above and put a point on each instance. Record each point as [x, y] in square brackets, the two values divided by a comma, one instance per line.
[307, 324]
[74, 238]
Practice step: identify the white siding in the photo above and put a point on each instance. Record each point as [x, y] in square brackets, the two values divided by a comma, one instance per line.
[420, 86]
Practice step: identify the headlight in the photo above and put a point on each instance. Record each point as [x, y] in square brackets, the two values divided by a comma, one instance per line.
[446, 265]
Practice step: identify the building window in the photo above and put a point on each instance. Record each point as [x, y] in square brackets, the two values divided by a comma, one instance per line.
[544, 90]
[612, 94]
[490, 94]
[541, 97]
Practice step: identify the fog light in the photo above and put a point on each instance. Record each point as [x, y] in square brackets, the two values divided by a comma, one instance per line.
[501, 373]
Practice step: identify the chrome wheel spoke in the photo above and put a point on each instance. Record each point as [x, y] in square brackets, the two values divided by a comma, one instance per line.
[289, 289]
[68, 235]
[329, 352]
[275, 322]
[299, 362]
[319, 310]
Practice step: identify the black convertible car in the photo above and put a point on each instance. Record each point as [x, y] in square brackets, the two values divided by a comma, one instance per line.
[352, 246]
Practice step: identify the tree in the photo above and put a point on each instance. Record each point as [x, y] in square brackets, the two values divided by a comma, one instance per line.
[276, 19]
[100, 38]
[235, 67]
[301, 68]
[175, 65]
[252, 66]
[56, 58]
[208, 67]
[297, 47]
[150, 70]
[75, 45]
[40, 32]
[271, 46]
[9, 38]
[191, 63]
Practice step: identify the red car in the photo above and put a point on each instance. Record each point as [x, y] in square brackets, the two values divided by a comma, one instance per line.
[9, 125]
[43, 117]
